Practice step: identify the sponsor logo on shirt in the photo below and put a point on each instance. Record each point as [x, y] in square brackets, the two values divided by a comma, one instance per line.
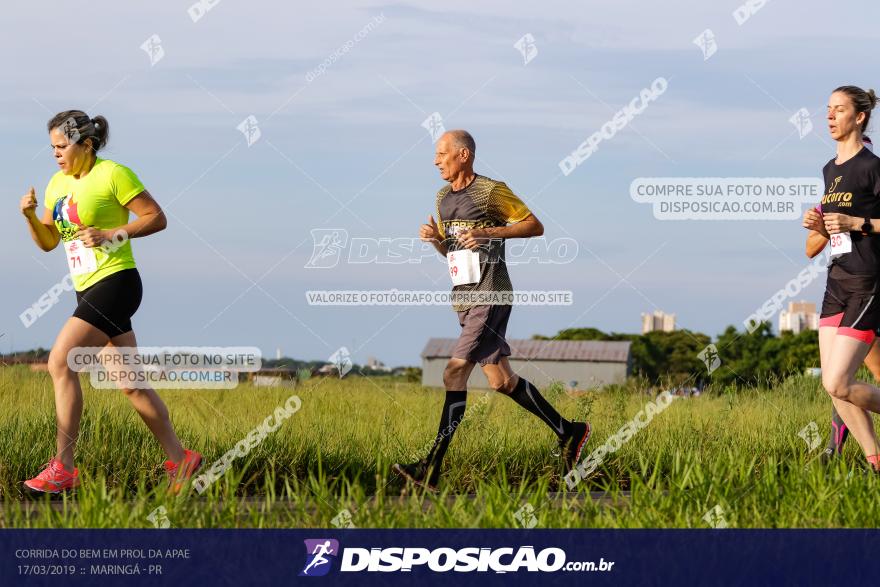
[66, 216]
[843, 199]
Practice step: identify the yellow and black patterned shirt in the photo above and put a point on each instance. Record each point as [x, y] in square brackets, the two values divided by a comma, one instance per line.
[482, 204]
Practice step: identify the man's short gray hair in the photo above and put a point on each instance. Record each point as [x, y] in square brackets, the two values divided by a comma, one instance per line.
[463, 139]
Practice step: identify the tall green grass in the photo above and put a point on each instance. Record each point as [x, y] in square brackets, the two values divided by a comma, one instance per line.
[738, 450]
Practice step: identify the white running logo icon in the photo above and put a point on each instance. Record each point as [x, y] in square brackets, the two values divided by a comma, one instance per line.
[319, 558]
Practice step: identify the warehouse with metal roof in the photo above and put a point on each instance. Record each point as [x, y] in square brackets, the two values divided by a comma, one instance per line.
[581, 364]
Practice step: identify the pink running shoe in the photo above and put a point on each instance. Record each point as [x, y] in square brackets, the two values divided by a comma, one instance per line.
[54, 478]
[180, 473]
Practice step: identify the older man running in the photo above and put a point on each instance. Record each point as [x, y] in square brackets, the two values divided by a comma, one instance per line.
[475, 215]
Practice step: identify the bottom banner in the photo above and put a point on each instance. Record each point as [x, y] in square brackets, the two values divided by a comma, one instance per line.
[388, 557]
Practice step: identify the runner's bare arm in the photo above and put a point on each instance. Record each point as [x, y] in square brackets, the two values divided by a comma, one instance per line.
[821, 226]
[815, 243]
[813, 221]
[43, 231]
[527, 227]
[836, 223]
[430, 232]
[150, 219]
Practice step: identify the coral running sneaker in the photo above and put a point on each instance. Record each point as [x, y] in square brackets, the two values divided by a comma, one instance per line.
[54, 478]
[180, 473]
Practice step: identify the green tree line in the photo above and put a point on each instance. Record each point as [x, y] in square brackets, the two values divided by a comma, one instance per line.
[745, 358]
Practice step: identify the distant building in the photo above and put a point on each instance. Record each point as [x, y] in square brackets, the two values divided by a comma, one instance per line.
[328, 369]
[279, 377]
[658, 321]
[576, 363]
[800, 316]
[376, 365]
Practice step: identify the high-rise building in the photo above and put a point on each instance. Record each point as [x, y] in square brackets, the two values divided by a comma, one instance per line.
[800, 316]
[659, 321]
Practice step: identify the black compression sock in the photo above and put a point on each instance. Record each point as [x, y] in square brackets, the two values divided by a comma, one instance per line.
[453, 413]
[528, 396]
[839, 432]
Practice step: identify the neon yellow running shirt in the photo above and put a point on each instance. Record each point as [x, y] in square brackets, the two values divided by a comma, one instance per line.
[97, 200]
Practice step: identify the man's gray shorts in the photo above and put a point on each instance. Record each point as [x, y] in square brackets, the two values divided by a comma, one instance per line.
[482, 334]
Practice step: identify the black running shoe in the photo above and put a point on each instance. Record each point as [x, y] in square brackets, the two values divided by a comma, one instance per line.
[572, 445]
[420, 474]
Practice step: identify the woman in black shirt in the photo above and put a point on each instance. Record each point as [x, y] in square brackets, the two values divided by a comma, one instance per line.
[851, 307]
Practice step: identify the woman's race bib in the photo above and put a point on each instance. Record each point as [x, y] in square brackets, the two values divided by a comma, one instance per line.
[841, 244]
[464, 267]
[80, 258]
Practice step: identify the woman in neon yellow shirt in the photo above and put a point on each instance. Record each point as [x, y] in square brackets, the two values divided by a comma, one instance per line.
[87, 209]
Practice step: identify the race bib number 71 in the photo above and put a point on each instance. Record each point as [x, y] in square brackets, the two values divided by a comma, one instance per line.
[80, 258]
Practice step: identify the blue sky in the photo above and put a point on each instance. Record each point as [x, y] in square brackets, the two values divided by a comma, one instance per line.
[240, 215]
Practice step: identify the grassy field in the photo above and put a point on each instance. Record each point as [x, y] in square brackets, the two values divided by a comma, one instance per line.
[738, 451]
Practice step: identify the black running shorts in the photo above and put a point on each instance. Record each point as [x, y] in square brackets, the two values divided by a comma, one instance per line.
[109, 304]
[852, 304]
